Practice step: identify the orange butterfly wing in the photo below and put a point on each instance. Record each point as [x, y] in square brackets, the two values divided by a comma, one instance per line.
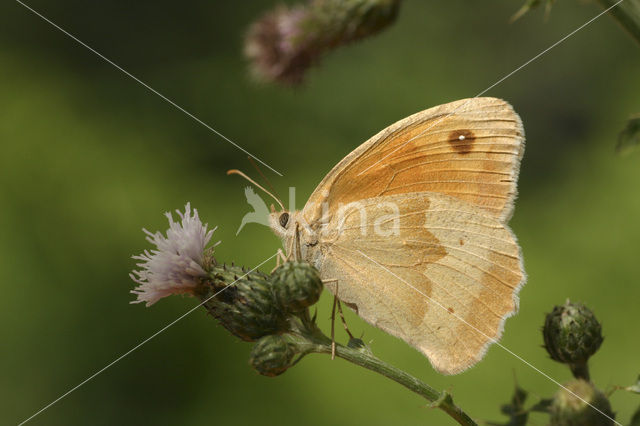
[469, 149]
[448, 278]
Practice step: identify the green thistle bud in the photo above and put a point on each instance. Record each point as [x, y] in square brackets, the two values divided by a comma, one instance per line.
[572, 334]
[247, 308]
[272, 355]
[296, 286]
[569, 410]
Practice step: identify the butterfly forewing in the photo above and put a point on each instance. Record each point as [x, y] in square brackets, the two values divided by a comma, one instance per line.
[469, 149]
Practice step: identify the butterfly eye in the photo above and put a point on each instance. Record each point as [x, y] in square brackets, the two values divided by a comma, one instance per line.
[284, 219]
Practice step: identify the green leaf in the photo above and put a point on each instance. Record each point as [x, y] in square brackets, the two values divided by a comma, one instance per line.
[518, 398]
[629, 137]
[518, 415]
[543, 406]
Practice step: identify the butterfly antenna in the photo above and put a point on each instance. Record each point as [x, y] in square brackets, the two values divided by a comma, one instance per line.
[238, 172]
[255, 166]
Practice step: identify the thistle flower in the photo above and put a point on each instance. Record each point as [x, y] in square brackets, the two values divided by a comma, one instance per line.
[177, 264]
[242, 301]
[572, 334]
[569, 410]
[276, 48]
[296, 285]
[272, 355]
[285, 42]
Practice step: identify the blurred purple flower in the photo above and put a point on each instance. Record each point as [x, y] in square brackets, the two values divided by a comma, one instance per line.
[176, 266]
[275, 47]
[283, 44]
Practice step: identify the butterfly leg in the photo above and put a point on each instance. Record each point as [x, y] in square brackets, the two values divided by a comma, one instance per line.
[333, 327]
[297, 255]
[290, 249]
[280, 257]
[344, 321]
[293, 251]
[336, 303]
[333, 319]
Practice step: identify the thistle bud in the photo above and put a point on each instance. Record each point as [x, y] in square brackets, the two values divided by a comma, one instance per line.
[569, 410]
[244, 302]
[286, 42]
[572, 334]
[272, 355]
[296, 286]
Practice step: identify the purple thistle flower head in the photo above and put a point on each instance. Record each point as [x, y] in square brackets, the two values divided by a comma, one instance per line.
[284, 43]
[278, 46]
[177, 263]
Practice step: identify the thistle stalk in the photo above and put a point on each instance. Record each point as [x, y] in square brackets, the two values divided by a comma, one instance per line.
[249, 312]
[308, 339]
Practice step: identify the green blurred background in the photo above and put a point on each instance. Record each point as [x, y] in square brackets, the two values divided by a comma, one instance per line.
[89, 157]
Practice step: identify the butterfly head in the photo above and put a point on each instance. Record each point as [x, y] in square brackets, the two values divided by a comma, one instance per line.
[279, 221]
[283, 223]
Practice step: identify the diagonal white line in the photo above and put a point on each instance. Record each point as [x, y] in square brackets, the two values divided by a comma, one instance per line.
[491, 339]
[140, 344]
[495, 84]
[149, 87]
[275, 171]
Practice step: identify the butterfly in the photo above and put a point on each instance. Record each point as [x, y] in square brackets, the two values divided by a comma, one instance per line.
[410, 229]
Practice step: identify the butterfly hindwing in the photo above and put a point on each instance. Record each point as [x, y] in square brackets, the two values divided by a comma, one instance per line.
[444, 282]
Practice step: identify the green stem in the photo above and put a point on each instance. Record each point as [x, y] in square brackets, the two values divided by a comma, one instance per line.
[580, 371]
[314, 341]
[627, 14]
